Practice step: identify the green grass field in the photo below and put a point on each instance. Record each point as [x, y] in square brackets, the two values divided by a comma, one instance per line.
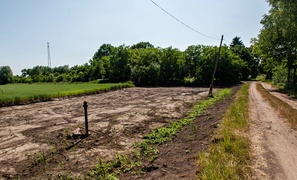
[11, 94]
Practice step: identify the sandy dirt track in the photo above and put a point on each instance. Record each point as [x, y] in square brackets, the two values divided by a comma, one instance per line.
[117, 120]
[274, 143]
[289, 100]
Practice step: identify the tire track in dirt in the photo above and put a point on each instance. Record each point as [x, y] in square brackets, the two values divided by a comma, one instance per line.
[274, 143]
[289, 100]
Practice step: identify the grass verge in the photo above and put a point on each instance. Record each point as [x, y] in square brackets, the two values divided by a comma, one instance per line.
[12, 94]
[228, 157]
[284, 109]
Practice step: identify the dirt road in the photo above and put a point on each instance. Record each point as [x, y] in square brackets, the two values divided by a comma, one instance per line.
[289, 100]
[274, 143]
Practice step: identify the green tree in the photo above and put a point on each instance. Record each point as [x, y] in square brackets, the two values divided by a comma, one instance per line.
[120, 67]
[229, 70]
[97, 70]
[142, 45]
[279, 76]
[60, 69]
[100, 64]
[50, 78]
[145, 66]
[6, 75]
[146, 75]
[192, 57]
[236, 42]
[245, 53]
[104, 50]
[277, 40]
[170, 60]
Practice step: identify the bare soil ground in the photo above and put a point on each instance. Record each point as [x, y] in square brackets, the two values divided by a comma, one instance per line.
[274, 143]
[29, 134]
[178, 158]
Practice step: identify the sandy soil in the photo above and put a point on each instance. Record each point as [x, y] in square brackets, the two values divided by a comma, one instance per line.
[116, 120]
[274, 143]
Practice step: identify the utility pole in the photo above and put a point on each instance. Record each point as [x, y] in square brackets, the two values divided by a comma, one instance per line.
[215, 69]
[49, 56]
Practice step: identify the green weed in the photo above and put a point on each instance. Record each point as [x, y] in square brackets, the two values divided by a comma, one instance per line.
[41, 158]
[102, 171]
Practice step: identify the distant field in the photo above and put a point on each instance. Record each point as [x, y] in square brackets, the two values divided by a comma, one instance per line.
[19, 93]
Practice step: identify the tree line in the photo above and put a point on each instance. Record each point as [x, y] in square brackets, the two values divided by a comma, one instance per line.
[146, 65]
[276, 44]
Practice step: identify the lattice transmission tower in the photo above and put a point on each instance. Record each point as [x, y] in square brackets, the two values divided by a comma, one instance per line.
[49, 56]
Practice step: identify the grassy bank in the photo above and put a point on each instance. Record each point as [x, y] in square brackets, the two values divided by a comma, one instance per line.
[228, 157]
[20, 93]
[284, 109]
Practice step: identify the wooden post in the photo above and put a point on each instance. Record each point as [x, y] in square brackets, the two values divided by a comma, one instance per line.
[86, 118]
[215, 69]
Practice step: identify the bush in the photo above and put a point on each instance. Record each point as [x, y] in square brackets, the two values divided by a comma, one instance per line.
[60, 78]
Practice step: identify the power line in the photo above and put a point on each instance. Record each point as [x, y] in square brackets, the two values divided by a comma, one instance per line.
[183, 22]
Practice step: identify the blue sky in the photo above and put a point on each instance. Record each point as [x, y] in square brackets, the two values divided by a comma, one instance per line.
[76, 29]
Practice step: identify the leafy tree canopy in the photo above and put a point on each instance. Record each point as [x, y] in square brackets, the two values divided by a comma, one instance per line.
[236, 42]
[276, 44]
[6, 75]
[142, 45]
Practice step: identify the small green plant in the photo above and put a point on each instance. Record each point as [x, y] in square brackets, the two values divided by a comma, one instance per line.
[102, 171]
[41, 158]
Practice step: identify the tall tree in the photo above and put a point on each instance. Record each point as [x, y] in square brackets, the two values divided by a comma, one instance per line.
[192, 56]
[104, 50]
[169, 69]
[236, 42]
[120, 67]
[277, 40]
[245, 53]
[6, 75]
